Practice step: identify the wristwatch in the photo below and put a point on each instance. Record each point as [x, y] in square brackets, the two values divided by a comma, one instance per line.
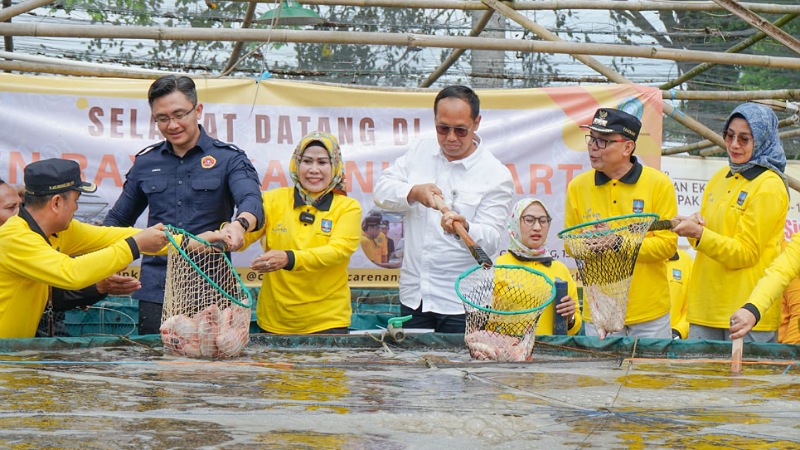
[243, 222]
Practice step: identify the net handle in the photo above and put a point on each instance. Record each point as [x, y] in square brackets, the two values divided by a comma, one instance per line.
[477, 252]
[608, 219]
[169, 229]
[512, 267]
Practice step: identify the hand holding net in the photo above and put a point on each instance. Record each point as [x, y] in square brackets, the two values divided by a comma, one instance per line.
[206, 305]
[503, 304]
[605, 252]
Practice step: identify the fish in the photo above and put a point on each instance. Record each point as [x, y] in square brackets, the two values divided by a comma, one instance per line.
[234, 333]
[208, 328]
[491, 346]
[179, 335]
[608, 308]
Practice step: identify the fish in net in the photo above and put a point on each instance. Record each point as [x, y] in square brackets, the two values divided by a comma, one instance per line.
[502, 305]
[206, 305]
[605, 252]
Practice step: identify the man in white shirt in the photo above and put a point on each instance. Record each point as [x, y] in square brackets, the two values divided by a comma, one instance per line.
[472, 182]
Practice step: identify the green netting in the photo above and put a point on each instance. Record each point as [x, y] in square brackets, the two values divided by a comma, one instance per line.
[567, 346]
[605, 252]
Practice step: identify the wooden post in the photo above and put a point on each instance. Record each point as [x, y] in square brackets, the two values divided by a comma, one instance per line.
[760, 23]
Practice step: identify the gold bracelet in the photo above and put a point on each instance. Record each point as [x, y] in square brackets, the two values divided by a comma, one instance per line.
[223, 225]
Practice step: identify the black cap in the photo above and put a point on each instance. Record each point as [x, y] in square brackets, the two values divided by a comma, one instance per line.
[609, 120]
[54, 176]
[372, 220]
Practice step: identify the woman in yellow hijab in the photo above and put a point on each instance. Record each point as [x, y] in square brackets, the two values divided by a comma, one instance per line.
[310, 232]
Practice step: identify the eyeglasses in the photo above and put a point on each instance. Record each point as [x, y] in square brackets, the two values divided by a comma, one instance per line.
[530, 220]
[444, 130]
[163, 120]
[600, 142]
[742, 139]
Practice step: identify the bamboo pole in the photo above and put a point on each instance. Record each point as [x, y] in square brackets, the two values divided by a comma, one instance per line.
[782, 135]
[760, 23]
[237, 47]
[700, 145]
[398, 39]
[80, 71]
[697, 70]
[551, 5]
[738, 96]
[453, 57]
[21, 8]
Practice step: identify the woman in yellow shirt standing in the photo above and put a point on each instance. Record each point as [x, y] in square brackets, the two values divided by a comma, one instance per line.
[738, 231]
[528, 226]
[310, 232]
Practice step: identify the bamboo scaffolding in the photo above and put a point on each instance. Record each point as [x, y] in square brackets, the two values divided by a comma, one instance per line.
[551, 5]
[602, 69]
[397, 39]
[453, 57]
[700, 68]
[761, 24]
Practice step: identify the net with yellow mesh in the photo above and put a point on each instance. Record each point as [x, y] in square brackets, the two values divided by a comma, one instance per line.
[206, 305]
[605, 252]
[502, 305]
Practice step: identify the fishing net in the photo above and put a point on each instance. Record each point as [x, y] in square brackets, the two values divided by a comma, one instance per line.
[502, 305]
[206, 305]
[605, 252]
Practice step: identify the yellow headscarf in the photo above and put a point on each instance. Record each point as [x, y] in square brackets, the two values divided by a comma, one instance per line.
[337, 166]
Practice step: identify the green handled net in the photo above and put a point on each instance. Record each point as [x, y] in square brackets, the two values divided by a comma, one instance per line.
[605, 252]
[503, 304]
[206, 305]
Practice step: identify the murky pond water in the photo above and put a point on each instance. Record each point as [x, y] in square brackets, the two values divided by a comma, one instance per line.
[338, 398]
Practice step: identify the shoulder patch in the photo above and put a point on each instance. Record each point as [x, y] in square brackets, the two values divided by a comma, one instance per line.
[226, 145]
[147, 149]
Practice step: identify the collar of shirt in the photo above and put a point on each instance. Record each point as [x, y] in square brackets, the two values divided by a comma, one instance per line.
[204, 141]
[26, 216]
[751, 173]
[547, 261]
[629, 178]
[470, 161]
[321, 203]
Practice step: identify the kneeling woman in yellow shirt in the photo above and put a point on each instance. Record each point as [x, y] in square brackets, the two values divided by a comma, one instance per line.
[310, 232]
[528, 226]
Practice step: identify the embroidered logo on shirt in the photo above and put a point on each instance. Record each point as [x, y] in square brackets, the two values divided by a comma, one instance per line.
[280, 228]
[326, 226]
[676, 274]
[742, 198]
[638, 206]
[208, 162]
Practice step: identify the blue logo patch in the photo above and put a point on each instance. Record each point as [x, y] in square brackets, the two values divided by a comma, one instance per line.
[326, 225]
[742, 198]
[638, 206]
[676, 274]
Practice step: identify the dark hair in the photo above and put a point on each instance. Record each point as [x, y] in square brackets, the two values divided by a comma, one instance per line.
[462, 92]
[737, 115]
[2, 182]
[170, 83]
[37, 201]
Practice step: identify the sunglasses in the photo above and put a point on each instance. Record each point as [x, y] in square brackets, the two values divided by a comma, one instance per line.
[445, 130]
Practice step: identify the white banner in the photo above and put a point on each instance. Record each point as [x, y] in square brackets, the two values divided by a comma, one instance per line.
[103, 123]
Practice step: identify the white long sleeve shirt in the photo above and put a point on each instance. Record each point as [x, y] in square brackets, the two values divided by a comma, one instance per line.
[478, 187]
